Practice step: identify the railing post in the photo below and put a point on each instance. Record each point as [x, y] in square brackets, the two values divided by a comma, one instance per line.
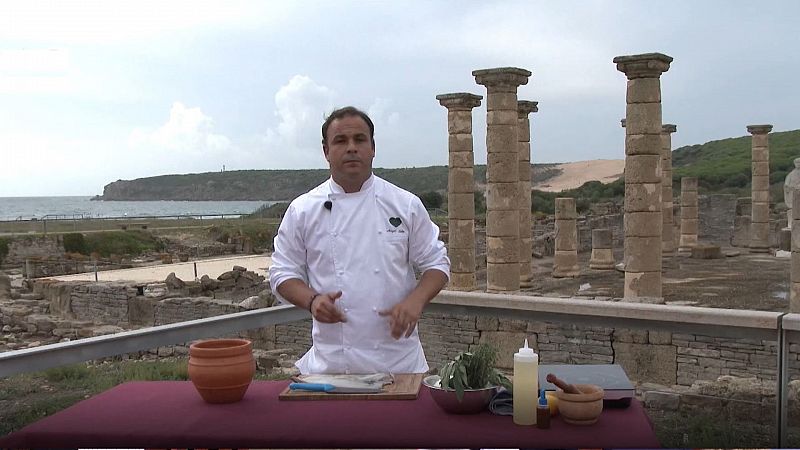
[781, 404]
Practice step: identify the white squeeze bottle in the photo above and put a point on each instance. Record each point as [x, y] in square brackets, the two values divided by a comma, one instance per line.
[526, 385]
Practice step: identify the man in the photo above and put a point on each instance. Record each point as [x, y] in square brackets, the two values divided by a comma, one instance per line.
[347, 251]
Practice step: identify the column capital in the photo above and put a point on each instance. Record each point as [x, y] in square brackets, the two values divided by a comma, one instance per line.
[647, 65]
[502, 77]
[668, 128]
[459, 101]
[622, 122]
[759, 129]
[525, 107]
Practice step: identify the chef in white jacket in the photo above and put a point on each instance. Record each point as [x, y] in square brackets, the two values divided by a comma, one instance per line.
[347, 251]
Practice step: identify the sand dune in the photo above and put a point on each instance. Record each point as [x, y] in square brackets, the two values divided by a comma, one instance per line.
[574, 174]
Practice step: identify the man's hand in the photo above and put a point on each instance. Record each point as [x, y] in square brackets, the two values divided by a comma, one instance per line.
[403, 317]
[324, 308]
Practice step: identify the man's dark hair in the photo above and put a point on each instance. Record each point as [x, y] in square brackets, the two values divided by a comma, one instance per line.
[345, 112]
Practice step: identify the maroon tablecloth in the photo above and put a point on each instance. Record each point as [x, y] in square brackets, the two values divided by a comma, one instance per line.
[172, 414]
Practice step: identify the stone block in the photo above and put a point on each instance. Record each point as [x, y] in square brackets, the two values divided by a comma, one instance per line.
[502, 250]
[460, 179]
[642, 284]
[485, 323]
[760, 212]
[501, 139]
[502, 277]
[462, 281]
[464, 158]
[760, 140]
[659, 337]
[502, 101]
[602, 259]
[642, 254]
[566, 235]
[689, 184]
[643, 197]
[461, 233]
[502, 196]
[643, 169]
[759, 183]
[759, 196]
[642, 362]
[642, 144]
[760, 168]
[461, 206]
[502, 223]
[524, 132]
[565, 264]
[602, 238]
[462, 259]
[141, 311]
[644, 118]
[643, 90]
[502, 168]
[565, 208]
[502, 117]
[642, 224]
[706, 251]
[689, 227]
[760, 154]
[759, 233]
[794, 297]
[459, 122]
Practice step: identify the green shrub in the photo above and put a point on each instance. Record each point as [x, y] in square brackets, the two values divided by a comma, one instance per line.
[480, 202]
[132, 242]
[3, 248]
[273, 211]
[75, 243]
[431, 199]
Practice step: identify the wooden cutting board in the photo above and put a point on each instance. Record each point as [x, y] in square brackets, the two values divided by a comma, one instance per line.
[405, 387]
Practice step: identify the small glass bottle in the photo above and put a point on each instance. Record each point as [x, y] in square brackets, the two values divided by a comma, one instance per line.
[542, 412]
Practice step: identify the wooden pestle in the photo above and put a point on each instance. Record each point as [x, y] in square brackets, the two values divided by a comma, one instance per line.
[567, 388]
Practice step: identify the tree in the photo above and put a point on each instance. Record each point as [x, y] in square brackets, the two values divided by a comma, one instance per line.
[431, 199]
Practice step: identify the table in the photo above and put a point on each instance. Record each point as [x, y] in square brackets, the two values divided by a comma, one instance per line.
[172, 414]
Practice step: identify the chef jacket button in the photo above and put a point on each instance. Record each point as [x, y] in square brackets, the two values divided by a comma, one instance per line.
[375, 346]
[377, 270]
[380, 232]
[374, 308]
[341, 272]
[347, 310]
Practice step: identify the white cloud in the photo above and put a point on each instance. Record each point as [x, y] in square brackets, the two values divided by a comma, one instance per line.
[186, 141]
[300, 106]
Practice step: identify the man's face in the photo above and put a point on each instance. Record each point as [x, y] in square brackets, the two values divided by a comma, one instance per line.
[349, 149]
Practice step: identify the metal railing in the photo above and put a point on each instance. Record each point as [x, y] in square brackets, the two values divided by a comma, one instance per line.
[782, 327]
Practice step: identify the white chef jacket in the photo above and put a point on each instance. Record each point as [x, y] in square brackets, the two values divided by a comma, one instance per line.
[367, 246]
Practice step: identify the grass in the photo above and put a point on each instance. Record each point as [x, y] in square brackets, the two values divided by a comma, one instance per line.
[700, 430]
[26, 398]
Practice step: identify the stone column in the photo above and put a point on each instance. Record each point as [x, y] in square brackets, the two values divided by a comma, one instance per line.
[688, 214]
[565, 261]
[759, 216]
[667, 236]
[502, 176]
[524, 108]
[602, 250]
[460, 189]
[643, 218]
[794, 289]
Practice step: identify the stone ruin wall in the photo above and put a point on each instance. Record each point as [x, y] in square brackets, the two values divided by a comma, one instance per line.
[721, 222]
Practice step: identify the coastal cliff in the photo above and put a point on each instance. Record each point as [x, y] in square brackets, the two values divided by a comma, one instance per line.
[276, 184]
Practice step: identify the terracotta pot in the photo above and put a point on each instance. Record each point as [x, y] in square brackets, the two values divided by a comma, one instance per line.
[221, 369]
[581, 409]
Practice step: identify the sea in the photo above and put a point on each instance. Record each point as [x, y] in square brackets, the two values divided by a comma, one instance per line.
[39, 208]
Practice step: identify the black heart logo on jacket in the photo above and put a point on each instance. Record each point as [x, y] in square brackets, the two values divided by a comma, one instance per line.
[395, 221]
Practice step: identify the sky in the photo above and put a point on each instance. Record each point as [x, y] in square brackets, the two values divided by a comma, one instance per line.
[95, 91]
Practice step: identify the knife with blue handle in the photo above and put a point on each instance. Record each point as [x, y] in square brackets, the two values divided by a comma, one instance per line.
[329, 388]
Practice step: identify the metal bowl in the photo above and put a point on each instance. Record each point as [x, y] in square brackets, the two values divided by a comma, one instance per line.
[473, 402]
